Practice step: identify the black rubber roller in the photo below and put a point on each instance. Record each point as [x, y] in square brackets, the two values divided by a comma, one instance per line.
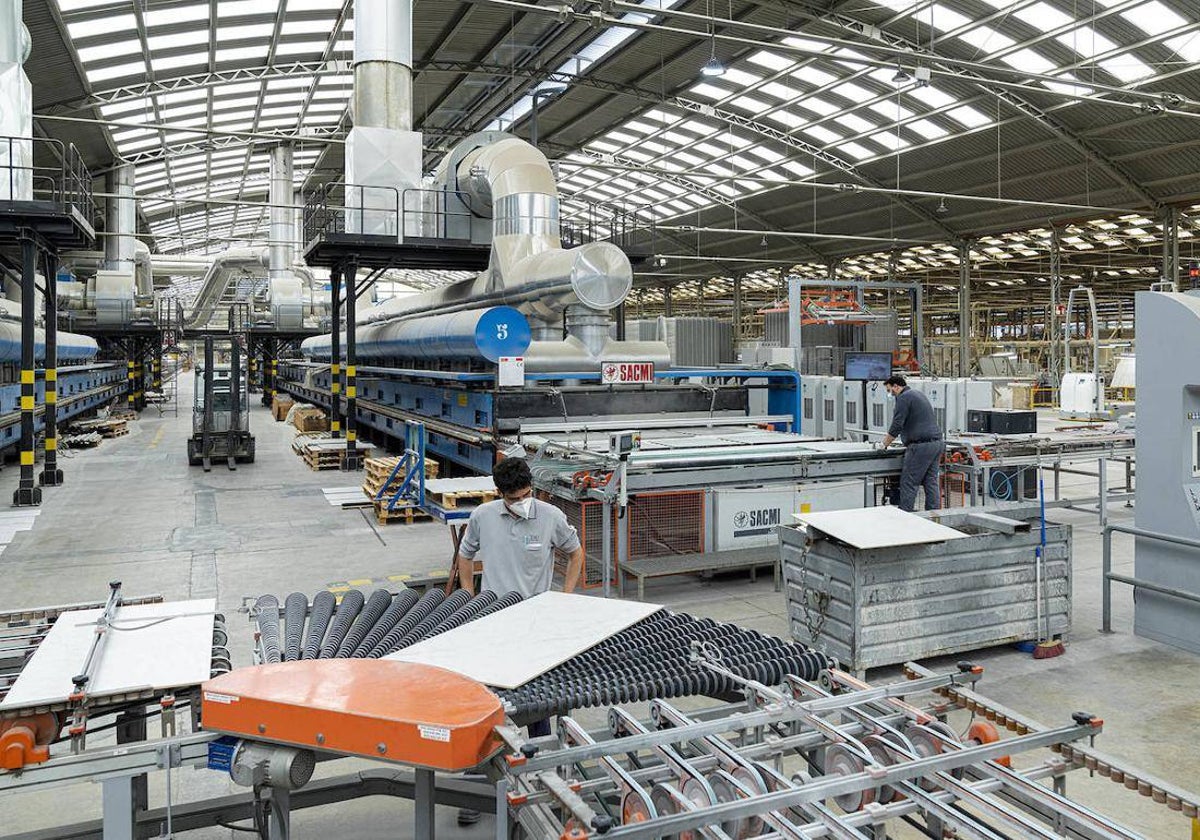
[352, 602]
[318, 622]
[375, 607]
[465, 613]
[428, 603]
[267, 611]
[444, 610]
[295, 609]
[401, 604]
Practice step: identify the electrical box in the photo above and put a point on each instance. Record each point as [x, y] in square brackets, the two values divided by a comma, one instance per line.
[879, 408]
[811, 393]
[832, 414]
[623, 444]
[854, 408]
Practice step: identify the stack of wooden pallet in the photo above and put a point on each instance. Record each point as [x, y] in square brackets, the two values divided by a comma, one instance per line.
[325, 453]
[453, 493]
[379, 469]
[105, 427]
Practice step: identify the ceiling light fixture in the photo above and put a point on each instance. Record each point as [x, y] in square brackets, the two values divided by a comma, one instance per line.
[942, 209]
[901, 76]
[713, 67]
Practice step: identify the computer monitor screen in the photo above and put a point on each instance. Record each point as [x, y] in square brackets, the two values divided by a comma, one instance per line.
[868, 367]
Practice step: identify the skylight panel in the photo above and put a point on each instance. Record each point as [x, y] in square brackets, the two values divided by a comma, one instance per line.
[890, 111]
[124, 108]
[640, 127]
[1187, 46]
[1087, 42]
[743, 162]
[896, 5]
[855, 123]
[711, 91]
[740, 77]
[1044, 17]
[855, 93]
[100, 74]
[296, 47]
[815, 77]
[819, 106]
[944, 19]
[1028, 60]
[603, 146]
[235, 8]
[701, 128]
[172, 62]
[779, 91]
[1073, 87]
[856, 151]
[786, 118]
[677, 138]
[689, 158]
[91, 27]
[189, 38]
[987, 40]
[769, 155]
[622, 138]
[1127, 68]
[306, 27]
[968, 116]
[656, 148]
[110, 50]
[640, 157]
[928, 129]
[822, 134]
[889, 141]
[932, 97]
[796, 168]
[1154, 18]
[771, 61]
[239, 33]
[749, 103]
[241, 53]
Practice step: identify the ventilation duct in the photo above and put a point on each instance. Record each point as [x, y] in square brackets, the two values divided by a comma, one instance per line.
[16, 105]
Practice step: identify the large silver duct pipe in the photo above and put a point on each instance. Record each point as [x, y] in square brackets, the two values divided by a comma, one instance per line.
[120, 252]
[16, 104]
[383, 64]
[281, 234]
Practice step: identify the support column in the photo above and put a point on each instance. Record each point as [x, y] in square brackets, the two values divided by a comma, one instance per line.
[1170, 245]
[1056, 362]
[737, 308]
[667, 299]
[27, 493]
[351, 461]
[335, 353]
[795, 292]
[51, 475]
[964, 308]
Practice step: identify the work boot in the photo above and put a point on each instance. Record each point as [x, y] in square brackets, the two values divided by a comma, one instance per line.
[467, 816]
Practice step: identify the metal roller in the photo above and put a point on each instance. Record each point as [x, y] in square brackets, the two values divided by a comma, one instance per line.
[295, 609]
[267, 616]
[444, 610]
[318, 622]
[375, 607]
[352, 602]
[402, 603]
[428, 603]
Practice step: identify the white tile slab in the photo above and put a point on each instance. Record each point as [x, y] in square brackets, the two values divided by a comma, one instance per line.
[879, 527]
[141, 651]
[513, 646]
[460, 485]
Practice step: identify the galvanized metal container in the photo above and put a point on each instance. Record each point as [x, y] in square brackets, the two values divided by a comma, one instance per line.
[885, 606]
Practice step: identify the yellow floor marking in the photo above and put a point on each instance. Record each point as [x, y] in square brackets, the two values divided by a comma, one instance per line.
[157, 437]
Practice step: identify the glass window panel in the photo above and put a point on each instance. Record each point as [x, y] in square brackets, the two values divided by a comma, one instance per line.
[796, 168]
[889, 141]
[110, 50]
[968, 116]
[890, 111]
[1044, 17]
[749, 103]
[855, 93]
[1127, 68]
[239, 33]
[813, 76]
[1187, 46]
[780, 91]
[137, 68]
[855, 123]
[944, 19]
[771, 60]
[786, 118]
[1154, 18]
[856, 151]
[91, 27]
[711, 91]
[1087, 42]
[822, 133]
[306, 27]
[239, 53]
[299, 47]
[932, 97]
[173, 62]
[819, 106]
[927, 129]
[740, 77]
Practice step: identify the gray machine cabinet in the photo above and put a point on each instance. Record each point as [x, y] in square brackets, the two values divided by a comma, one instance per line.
[886, 606]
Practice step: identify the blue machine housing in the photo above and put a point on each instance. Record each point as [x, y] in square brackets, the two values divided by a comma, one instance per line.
[71, 347]
[80, 388]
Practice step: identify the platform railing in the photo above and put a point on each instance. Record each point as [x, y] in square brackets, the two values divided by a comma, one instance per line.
[338, 207]
[1111, 577]
[65, 185]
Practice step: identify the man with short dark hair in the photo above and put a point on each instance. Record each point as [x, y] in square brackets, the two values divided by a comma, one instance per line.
[914, 421]
[517, 536]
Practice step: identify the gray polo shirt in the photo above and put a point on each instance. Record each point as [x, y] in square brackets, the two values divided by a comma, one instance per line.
[517, 554]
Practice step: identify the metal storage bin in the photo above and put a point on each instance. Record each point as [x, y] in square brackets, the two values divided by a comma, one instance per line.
[886, 606]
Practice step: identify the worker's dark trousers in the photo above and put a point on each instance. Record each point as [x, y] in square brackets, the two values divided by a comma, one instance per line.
[921, 465]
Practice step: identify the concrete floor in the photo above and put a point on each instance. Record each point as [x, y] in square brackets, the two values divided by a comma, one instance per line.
[133, 510]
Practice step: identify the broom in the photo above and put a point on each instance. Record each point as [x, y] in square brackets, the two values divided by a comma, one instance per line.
[1047, 648]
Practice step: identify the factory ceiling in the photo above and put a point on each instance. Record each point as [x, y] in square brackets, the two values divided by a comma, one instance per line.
[873, 134]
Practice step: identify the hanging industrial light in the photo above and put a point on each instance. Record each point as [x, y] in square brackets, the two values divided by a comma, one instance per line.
[901, 76]
[712, 67]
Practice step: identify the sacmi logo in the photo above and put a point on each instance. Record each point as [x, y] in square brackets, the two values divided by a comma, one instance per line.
[755, 522]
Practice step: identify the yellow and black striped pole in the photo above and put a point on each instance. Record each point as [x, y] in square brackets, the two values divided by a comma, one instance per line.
[130, 381]
[335, 354]
[351, 461]
[27, 492]
[51, 475]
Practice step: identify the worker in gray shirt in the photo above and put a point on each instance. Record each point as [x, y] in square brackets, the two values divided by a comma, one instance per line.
[515, 538]
[913, 421]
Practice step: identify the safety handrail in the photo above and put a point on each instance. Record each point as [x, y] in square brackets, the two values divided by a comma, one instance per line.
[66, 186]
[1111, 577]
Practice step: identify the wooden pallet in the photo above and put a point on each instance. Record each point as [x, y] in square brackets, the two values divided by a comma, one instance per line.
[324, 460]
[450, 500]
[381, 468]
[107, 427]
[401, 514]
[302, 440]
[123, 414]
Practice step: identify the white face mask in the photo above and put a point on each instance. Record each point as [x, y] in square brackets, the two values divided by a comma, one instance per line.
[522, 508]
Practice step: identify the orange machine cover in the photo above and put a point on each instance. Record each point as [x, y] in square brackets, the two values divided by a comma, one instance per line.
[392, 711]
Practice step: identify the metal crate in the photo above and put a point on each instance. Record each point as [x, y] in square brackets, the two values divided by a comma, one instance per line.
[886, 606]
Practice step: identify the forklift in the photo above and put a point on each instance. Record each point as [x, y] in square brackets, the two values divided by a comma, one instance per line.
[220, 420]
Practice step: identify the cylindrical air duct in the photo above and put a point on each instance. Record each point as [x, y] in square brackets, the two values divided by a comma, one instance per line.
[71, 346]
[119, 250]
[15, 42]
[481, 334]
[281, 233]
[383, 64]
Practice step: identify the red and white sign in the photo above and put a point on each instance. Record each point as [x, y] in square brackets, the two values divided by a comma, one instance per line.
[624, 373]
